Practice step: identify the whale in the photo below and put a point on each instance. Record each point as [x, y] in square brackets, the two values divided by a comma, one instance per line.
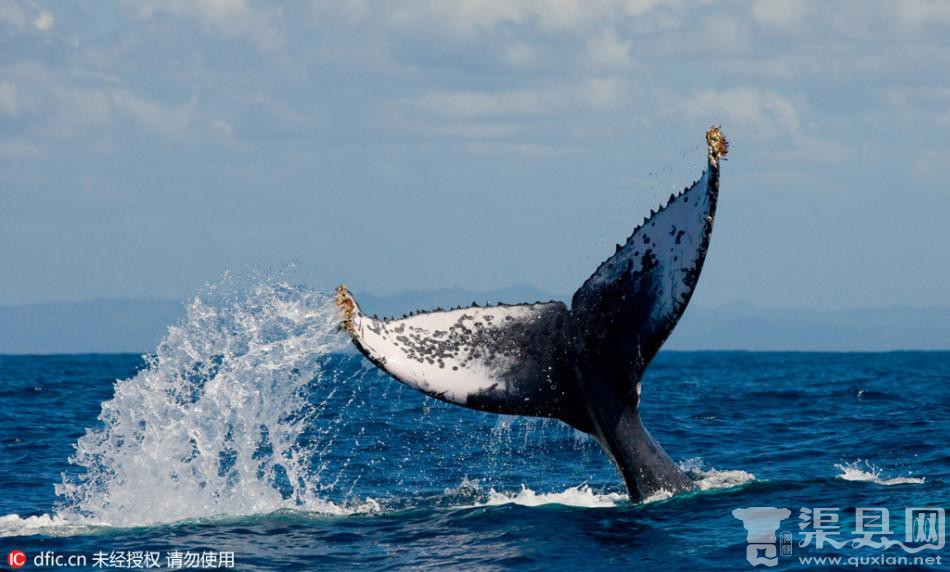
[581, 364]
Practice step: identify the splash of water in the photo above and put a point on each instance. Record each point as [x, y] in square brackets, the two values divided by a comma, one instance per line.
[470, 494]
[212, 424]
[709, 478]
[863, 471]
[579, 496]
[16, 525]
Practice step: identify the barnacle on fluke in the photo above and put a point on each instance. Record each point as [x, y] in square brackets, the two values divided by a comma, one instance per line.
[346, 304]
[581, 365]
[717, 144]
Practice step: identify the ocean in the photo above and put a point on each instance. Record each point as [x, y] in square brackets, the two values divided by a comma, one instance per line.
[253, 438]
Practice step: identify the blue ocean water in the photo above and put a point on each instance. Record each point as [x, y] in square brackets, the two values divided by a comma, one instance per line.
[252, 431]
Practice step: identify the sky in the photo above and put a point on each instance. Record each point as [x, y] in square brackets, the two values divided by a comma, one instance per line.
[148, 147]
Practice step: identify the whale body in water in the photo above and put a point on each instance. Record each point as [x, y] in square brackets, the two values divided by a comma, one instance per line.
[581, 365]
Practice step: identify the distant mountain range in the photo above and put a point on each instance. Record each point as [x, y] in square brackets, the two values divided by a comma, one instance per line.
[136, 325]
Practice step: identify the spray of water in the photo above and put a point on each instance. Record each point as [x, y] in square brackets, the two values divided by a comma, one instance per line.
[246, 407]
[864, 471]
[212, 424]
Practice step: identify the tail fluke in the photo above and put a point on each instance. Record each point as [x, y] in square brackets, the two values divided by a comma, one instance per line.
[582, 365]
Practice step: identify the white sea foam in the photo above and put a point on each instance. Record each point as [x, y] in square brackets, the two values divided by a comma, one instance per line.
[659, 495]
[863, 471]
[707, 478]
[55, 525]
[16, 525]
[579, 496]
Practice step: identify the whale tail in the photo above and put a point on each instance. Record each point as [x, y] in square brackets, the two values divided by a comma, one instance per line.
[581, 365]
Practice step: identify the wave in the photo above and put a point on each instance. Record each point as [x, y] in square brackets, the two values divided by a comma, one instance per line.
[710, 478]
[16, 525]
[60, 526]
[467, 495]
[578, 496]
[863, 471]
[57, 525]
[706, 478]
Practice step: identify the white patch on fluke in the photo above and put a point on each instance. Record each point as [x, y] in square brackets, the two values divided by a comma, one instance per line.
[405, 347]
[455, 380]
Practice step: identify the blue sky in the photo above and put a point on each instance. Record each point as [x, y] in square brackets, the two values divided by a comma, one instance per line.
[147, 147]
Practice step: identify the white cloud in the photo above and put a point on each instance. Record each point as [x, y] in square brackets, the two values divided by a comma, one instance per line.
[463, 17]
[227, 18]
[15, 15]
[653, 16]
[814, 150]
[929, 165]
[351, 12]
[930, 103]
[158, 118]
[521, 55]
[69, 110]
[477, 130]
[505, 122]
[18, 148]
[9, 102]
[922, 12]
[485, 104]
[503, 149]
[594, 93]
[466, 17]
[12, 14]
[766, 112]
[62, 107]
[641, 7]
[778, 13]
[602, 92]
[44, 21]
[759, 114]
[607, 51]
[571, 14]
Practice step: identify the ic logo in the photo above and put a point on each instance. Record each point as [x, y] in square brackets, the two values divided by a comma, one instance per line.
[16, 559]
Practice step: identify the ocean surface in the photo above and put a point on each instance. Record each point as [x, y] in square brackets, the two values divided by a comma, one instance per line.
[252, 433]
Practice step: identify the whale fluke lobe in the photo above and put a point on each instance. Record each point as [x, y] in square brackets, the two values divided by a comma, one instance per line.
[509, 359]
[581, 364]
